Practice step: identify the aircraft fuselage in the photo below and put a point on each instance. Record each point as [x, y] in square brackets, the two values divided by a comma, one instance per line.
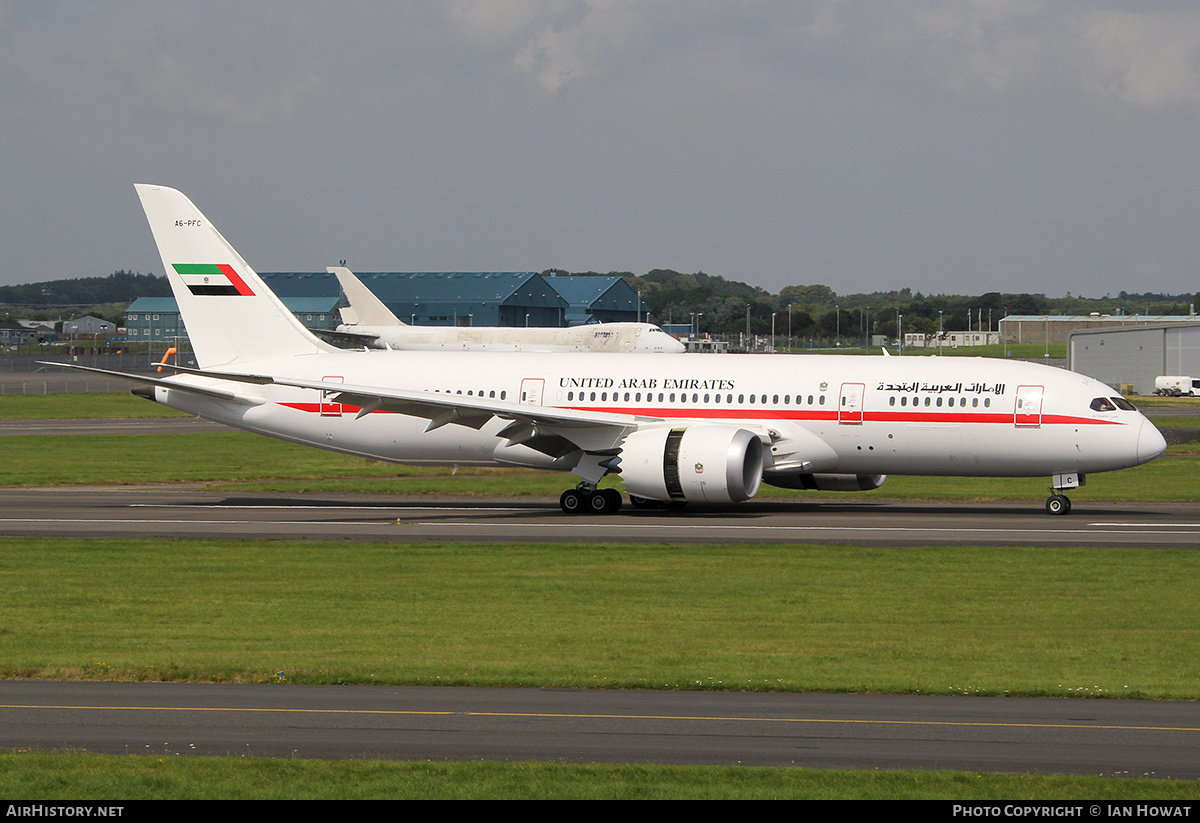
[823, 413]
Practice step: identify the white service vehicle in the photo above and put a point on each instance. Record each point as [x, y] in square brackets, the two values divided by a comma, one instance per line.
[1175, 385]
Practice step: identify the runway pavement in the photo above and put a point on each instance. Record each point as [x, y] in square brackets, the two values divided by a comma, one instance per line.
[1115, 738]
[191, 511]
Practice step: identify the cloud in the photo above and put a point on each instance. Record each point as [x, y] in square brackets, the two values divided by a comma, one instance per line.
[770, 140]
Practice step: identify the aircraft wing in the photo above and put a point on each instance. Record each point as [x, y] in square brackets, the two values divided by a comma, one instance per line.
[206, 391]
[547, 429]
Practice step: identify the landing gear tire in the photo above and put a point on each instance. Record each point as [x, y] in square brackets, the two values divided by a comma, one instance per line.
[605, 501]
[601, 501]
[572, 501]
[1058, 504]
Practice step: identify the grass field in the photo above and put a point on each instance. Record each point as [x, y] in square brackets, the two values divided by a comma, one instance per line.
[1095, 623]
[946, 620]
[37, 776]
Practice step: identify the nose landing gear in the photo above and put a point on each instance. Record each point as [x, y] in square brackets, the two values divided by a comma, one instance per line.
[1059, 503]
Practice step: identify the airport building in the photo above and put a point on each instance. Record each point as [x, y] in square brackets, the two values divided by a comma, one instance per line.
[599, 299]
[1056, 328]
[87, 326]
[156, 319]
[1133, 355]
[442, 298]
[507, 299]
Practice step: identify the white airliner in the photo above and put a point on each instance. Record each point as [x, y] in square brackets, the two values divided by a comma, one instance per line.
[708, 429]
[370, 323]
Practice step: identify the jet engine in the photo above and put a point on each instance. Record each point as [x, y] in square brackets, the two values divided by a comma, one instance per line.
[703, 463]
[827, 482]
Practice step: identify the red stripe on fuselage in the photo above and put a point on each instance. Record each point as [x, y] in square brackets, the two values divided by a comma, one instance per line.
[826, 416]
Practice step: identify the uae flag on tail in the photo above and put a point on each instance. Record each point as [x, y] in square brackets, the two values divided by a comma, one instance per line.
[212, 278]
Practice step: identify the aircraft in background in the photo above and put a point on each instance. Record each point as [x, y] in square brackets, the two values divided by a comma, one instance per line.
[370, 323]
[676, 429]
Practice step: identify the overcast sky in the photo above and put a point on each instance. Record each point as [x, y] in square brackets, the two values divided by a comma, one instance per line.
[948, 147]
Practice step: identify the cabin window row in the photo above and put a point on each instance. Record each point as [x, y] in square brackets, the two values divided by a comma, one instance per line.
[938, 402]
[683, 397]
[471, 393]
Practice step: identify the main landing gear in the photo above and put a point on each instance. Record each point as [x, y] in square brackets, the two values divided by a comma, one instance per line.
[587, 498]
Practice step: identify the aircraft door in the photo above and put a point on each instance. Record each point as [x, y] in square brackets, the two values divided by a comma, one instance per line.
[850, 406]
[531, 391]
[328, 408]
[1028, 413]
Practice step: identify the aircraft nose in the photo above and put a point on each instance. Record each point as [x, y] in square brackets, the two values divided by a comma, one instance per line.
[1150, 443]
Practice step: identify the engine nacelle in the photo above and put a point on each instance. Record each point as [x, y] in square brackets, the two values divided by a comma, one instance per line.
[827, 482]
[702, 463]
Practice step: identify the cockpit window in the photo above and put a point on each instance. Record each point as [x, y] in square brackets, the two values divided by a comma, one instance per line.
[1107, 404]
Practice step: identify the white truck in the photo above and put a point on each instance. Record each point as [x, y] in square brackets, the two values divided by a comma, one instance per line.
[1176, 385]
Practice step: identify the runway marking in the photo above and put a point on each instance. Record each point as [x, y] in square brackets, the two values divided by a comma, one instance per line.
[582, 716]
[334, 507]
[1153, 525]
[1168, 529]
[1116, 529]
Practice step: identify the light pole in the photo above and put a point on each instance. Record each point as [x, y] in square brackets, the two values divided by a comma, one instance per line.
[939, 332]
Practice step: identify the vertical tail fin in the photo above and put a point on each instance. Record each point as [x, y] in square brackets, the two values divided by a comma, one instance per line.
[368, 308]
[230, 314]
